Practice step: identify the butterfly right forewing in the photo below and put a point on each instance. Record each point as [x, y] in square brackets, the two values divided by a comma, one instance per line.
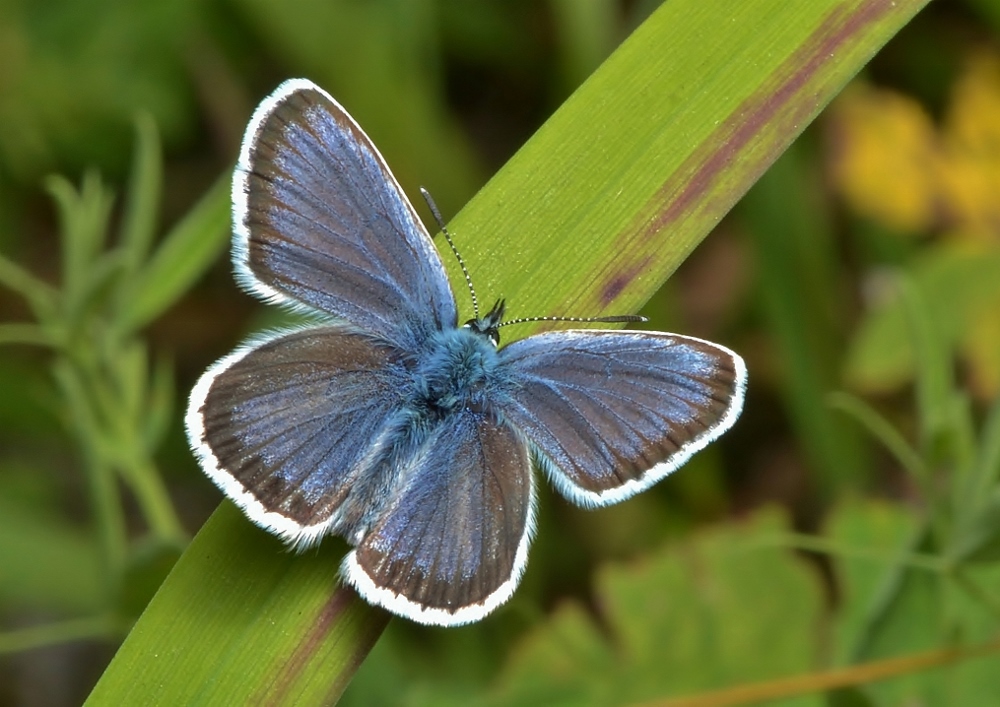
[609, 413]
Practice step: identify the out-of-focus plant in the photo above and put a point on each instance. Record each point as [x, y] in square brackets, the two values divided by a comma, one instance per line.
[936, 188]
[113, 399]
[939, 589]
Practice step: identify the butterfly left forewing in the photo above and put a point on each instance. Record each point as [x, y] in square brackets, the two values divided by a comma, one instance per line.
[453, 544]
[320, 222]
[609, 413]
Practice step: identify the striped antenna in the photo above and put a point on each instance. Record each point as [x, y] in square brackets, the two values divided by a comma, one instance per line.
[458, 256]
[618, 318]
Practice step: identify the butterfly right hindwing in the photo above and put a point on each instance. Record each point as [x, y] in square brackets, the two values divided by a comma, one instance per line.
[453, 544]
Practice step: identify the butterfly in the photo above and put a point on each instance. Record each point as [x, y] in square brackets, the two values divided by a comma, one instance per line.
[390, 425]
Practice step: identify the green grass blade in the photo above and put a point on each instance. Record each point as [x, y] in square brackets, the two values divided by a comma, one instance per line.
[606, 200]
[590, 216]
[794, 248]
[241, 620]
[183, 256]
[142, 199]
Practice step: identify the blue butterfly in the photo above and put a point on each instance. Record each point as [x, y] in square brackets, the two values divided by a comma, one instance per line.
[392, 426]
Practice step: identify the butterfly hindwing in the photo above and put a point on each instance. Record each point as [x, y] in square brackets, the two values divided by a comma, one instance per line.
[321, 222]
[284, 426]
[453, 544]
[609, 413]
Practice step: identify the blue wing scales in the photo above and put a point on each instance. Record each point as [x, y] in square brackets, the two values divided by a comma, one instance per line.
[285, 425]
[452, 545]
[609, 413]
[320, 222]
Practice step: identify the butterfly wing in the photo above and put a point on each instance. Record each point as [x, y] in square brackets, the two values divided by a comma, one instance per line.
[286, 424]
[453, 544]
[610, 413]
[321, 223]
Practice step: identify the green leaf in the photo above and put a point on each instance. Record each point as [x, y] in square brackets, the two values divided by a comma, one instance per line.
[142, 198]
[612, 193]
[960, 286]
[978, 536]
[183, 256]
[590, 216]
[83, 217]
[871, 586]
[888, 611]
[684, 620]
[275, 629]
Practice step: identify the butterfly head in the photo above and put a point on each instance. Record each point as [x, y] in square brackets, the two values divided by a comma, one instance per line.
[488, 325]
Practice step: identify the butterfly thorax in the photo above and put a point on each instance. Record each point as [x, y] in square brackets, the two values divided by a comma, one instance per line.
[460, 370]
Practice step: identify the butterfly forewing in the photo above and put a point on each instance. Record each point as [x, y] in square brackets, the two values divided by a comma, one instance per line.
[452, 546]
[285, 426]
[320, 221]
[610, 413]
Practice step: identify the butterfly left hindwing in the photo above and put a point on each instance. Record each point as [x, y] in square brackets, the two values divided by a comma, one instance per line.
[286, 425]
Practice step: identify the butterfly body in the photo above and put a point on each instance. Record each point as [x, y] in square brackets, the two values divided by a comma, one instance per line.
[388, 424]
[459, 369]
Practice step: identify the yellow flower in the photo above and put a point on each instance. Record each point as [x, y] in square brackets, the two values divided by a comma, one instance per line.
[883, 158]
[969, 173]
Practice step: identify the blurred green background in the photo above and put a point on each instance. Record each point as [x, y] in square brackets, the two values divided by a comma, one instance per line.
[852, 514]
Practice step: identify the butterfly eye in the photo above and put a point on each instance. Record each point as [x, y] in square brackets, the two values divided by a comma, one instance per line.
[484, 327]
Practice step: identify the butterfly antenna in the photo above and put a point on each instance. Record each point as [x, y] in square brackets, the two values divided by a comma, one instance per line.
[615, 319]
[458, 256]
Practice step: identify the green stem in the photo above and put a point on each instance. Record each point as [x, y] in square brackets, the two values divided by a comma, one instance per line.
[151, 494]
[100, 475]
[24, 639]
[988, 600]
[813, 543]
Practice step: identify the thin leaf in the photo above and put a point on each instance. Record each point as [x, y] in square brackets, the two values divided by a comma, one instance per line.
[39, 295]
[186, 252]
[30, 334]
[26, 639]
[879, 428]
[83, 219]
[143, 195]
[794, 251]
[156, 418]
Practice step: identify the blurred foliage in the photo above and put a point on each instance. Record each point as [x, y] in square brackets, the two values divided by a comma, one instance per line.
[918, 180]
[113, 401]
[867, 260]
